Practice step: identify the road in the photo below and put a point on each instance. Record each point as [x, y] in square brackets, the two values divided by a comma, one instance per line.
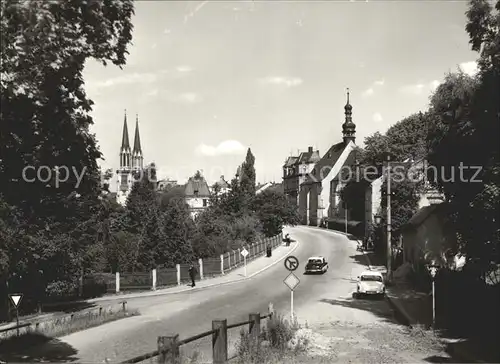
[319, 299]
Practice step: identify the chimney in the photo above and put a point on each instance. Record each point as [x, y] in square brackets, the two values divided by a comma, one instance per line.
[310, 149]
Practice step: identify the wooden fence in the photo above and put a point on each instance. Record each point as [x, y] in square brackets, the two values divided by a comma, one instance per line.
[172, 276]
[168, 346]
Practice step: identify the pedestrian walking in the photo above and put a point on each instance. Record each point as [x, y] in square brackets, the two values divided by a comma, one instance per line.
[192, 274]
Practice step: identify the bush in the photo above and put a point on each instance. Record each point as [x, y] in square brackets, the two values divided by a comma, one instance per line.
[274, 345]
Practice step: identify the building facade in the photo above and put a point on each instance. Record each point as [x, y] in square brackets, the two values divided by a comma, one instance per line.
[131, 162]
[295, 171]
[221, 186]
[319, 194]
[197, 194]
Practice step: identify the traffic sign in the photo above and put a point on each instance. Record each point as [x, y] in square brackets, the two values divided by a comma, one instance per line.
[244, 252]
[291, 263]
[16, 298]
[291, 281]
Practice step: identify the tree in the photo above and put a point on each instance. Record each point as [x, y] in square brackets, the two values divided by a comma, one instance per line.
[179, 233]
[407, 139]
[465, 133]
[45, 123]
[274, 211]
[248, 176]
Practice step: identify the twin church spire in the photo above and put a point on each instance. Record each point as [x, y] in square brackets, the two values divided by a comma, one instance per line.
[131, 158]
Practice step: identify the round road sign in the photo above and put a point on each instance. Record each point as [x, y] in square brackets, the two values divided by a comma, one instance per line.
[291, 263]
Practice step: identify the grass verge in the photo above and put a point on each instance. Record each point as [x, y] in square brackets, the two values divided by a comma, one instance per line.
[16, 347]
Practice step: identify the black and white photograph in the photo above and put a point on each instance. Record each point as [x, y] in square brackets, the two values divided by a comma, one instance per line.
[249, 182]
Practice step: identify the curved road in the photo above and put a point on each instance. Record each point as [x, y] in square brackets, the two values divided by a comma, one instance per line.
[318, 299]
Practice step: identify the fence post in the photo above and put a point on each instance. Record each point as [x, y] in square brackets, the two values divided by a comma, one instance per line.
[219, 341]
[200, 263]
[168, 350]
[229, 260]
[117, 282]
[239, 255]
[154, 279]
[222, 264]
[124, 306]
[178, 268]
[254, 327]
[271, 309]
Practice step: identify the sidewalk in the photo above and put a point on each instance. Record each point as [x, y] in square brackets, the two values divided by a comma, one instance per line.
[415, 309]
[254, 267]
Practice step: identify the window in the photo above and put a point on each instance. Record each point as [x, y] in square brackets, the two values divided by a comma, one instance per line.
[371, 278]
[205, 202]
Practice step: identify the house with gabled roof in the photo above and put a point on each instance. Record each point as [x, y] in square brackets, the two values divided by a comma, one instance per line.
[319, 196]
[221, 186]
[295, 170]
[197, 194]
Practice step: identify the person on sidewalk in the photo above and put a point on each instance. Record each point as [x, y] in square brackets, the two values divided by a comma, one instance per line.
[287, 239]
[192, 274]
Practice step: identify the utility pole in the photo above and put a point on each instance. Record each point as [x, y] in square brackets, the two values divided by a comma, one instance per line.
[389, 237]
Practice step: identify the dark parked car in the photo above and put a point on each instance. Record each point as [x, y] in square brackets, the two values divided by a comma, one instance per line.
[316, 265]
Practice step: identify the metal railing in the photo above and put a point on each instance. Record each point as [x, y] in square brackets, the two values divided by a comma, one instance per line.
[168, 346]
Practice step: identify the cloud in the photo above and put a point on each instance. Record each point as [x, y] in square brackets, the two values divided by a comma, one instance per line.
[377, 117]
[188, 97]
[286, 81]
[420, 88]
[195, 10]
[132, 78]
[184, 69]
[368, 92]
[227, 147]
[167, 31]
[469, 68]
[434, 85]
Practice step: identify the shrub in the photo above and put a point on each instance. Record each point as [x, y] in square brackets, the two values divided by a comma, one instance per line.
[275, 343]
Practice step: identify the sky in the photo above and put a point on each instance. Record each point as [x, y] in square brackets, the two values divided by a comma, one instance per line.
[210, 79]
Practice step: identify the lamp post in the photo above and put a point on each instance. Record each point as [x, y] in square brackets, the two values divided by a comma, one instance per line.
[389, 229]
[433, 268]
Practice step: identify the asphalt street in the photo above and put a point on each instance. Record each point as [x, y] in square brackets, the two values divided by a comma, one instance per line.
[318, 300]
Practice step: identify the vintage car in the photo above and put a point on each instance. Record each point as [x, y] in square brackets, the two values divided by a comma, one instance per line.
[370, 283]
[316, 265]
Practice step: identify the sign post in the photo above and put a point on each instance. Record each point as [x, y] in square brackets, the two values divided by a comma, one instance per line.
[16, 299]
[244, 252]
[291, 281]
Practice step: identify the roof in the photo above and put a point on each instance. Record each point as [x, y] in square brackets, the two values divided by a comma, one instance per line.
[291, 161]
[125, 141]
[318, 257]
[278, 187]
[422, 215]
[371, 273]
[222, 183]
[200, 185]
[326, 162]
[308, 157]
[137, 138]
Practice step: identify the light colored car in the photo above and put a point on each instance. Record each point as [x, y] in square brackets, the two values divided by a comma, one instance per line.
[370, 283]
[316, 265]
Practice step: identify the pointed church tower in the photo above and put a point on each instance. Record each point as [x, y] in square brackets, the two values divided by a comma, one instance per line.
[137, 157]
[348, 128]
[124, 172]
